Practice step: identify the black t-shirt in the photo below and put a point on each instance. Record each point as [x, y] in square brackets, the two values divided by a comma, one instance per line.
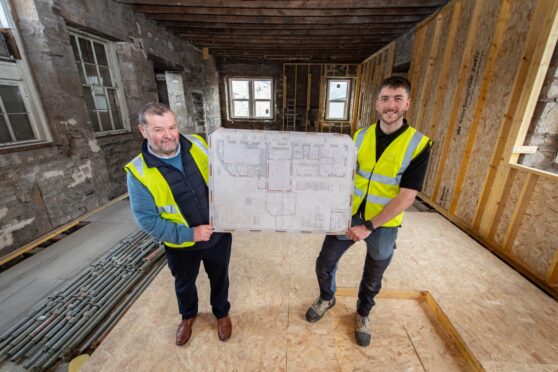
[413, 177]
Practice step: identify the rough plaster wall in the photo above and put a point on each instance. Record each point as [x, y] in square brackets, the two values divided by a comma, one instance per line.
[43, 187]
[275, 71]
[211, 94]
[177, 100]
[544, 125]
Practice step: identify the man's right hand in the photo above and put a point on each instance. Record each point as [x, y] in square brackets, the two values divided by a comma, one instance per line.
[202, 233]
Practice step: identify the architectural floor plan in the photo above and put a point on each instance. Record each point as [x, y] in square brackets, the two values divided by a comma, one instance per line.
[280, 181]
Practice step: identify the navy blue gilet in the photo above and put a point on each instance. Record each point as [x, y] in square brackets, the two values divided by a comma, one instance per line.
[188, 189]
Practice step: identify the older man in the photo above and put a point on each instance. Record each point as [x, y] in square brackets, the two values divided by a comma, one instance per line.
[167, 185]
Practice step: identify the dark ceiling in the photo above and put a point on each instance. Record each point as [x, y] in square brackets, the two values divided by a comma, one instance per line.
[333, 31]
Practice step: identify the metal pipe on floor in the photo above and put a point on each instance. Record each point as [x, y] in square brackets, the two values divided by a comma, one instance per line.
[60, 323]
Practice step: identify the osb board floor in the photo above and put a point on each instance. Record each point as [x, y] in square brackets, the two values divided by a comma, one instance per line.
[507, 323]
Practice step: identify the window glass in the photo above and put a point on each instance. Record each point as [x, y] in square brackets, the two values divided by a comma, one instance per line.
[240, 89]
[262, 89]
[15, 126]
[338, 90]
[251, 98]
[101, 91]
[336, 110]
[11, 97]
[21, 127]
[241, 109]
[337, 100]
[4, 131]
[101, 54]
[263, 110]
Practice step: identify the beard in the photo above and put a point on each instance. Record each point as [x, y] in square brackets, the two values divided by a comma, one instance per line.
[166, 148]
[391, 116]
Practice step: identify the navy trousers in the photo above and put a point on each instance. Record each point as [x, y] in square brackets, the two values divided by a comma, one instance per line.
[185, 266]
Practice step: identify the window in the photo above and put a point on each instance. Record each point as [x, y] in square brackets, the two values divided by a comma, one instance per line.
[101, 87]
[21, 118]
[251, 98]
[338, 92]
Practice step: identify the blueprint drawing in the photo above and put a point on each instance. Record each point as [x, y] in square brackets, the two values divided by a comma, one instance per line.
[280, 181]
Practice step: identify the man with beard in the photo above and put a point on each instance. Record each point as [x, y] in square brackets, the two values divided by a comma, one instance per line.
[167, 185]
[391, 166]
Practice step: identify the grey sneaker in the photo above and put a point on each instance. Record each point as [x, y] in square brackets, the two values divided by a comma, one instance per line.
[318, 309]
[363, 334]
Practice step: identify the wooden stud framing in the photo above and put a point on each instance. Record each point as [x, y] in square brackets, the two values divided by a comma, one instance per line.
[416, 60]
[308, 94]
[519, 212]
[529, 79]
[517, 263]
[295, 91]
[552, 274]
[356, 102]
[284, 96]
[374, 70]
[501, 206]
[425, 87]
[454, 22]
[480, 105]
[465, 63]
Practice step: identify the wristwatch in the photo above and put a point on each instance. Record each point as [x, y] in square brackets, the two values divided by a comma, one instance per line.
[369, 225]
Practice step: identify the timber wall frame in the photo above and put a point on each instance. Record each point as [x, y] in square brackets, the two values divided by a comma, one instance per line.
[301, 94]
[476, 71]
[373, 70]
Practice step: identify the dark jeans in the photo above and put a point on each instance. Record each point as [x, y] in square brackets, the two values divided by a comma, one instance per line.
[185, 266]
[380, 245]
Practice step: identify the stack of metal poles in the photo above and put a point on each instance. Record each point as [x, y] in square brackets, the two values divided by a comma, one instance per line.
[79, 316]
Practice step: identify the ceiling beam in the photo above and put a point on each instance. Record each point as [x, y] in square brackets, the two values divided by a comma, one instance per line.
[325, 32]
[298, 4]
[314, 21]
[284, 12]
[402, 26]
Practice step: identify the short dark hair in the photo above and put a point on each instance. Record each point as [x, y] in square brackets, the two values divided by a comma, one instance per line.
[396, 82]
[152, 108]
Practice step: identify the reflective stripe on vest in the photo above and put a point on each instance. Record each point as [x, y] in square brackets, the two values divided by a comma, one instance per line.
[157, 185]
[195, 140]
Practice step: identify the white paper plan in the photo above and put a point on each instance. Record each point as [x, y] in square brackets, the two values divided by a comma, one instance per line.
[280, 181]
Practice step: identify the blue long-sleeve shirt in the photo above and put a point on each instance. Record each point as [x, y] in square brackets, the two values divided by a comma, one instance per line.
[146, 213]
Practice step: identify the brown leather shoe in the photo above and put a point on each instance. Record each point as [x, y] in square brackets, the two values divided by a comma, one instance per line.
[184, 331]
[224, 328]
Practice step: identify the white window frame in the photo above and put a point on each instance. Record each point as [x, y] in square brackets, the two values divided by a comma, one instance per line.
[17, 73]
[251, 100]
[346, 113]
[114, 72]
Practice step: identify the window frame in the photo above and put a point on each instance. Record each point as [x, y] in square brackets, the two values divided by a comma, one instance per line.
[251, 98]
[114, 74]
[347, 100]
[16, 72]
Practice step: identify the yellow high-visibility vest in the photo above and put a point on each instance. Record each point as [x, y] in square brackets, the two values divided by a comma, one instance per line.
[379, 181]
[154, 181]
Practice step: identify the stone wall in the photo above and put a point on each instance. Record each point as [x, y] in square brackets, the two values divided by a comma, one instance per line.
[543, 132]
[44, 186]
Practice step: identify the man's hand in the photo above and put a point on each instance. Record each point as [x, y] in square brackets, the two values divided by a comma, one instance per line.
[202, 233]
[357, 233]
